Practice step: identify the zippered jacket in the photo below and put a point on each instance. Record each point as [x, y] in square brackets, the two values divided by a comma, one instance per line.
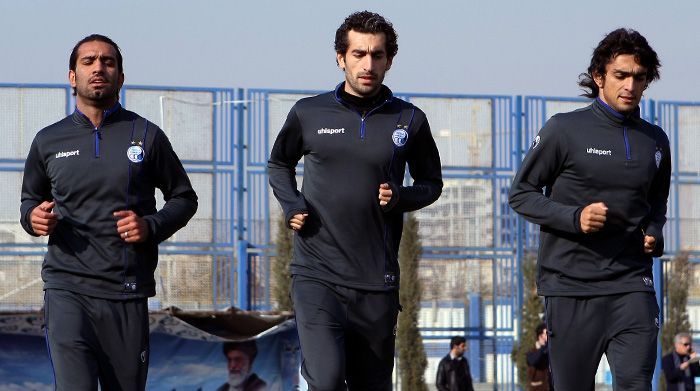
[91, 172]
[590, 155]
[348, 238]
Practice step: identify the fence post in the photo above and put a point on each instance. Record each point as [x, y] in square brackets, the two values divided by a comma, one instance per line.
[243, 300]
[475, 337]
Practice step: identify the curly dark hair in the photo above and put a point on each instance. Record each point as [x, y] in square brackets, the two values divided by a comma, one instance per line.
[620, 41]
[366, 22]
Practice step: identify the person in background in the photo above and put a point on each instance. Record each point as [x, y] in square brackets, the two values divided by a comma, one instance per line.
[681, 366]
[453, 371]
[538, 362]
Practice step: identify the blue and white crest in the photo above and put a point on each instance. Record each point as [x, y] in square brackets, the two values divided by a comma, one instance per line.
[658, 155]
[135, 153]
[399, 137]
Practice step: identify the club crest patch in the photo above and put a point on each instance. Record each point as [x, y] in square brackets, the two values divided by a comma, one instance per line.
[535, 142]
[658, 155]
[135, 153]
[399, 137]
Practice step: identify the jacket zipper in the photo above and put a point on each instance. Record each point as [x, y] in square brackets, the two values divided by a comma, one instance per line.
[98, 133]
[628, 153]
[98, 136]
[364, 116]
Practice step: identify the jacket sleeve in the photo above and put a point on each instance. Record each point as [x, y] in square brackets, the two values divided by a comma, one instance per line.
[658, 195]
[671, 371]
[470, 386]
[695, 369]
[171, 178]
[36, 186]
[281, 167]
[426, 172]
[441, 380]
[540, 169]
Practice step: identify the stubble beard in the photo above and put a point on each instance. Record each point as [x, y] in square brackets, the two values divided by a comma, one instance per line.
[103, 97]
[362, 90]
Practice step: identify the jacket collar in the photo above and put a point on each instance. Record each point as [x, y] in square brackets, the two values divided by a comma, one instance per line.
[613, 115]
[108, 115]
[384, 90]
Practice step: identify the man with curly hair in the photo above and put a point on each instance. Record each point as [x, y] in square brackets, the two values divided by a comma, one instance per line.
[356, 142]
[606, 172]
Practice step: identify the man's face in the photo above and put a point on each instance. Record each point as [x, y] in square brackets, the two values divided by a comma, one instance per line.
[460, 349]
[238, 367]
[623, 84]
[684, 346]
[365, 63]
[96, 79]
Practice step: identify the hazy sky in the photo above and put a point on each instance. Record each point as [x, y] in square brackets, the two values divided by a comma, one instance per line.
[471, 47]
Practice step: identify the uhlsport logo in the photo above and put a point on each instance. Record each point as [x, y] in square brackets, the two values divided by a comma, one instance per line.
[535, 142]
[399, 137]
[135, 153]
[68, 154]
[331, 131]
[599, 152]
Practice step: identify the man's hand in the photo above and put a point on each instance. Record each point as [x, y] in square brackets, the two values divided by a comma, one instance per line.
[384, 194]
[131, 227]
[593, 217]
[649, 244]
[297, 221]
[684, 365]
[42, 218]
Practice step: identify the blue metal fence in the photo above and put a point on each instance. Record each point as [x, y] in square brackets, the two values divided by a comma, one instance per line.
[472, 239]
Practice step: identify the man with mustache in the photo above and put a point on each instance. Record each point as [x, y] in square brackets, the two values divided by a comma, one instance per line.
[348, 217]
[607, 174]
[89, 184]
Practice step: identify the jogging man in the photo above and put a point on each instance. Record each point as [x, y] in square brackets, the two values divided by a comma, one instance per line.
[606, 173]
[89, 183]
[348, 217]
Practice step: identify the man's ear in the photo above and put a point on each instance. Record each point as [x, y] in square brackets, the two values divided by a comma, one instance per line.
[340, 59]
[599, 79]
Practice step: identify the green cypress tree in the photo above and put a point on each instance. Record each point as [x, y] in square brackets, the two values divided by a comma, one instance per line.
[412, 360]
[530, 318]
[280, 266]
[676, 303]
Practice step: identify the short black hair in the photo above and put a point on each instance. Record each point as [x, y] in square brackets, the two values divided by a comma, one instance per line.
[539, 329]
[617, 42]
[249, 348]
[457, 340]
[366, 22]
[72, 62]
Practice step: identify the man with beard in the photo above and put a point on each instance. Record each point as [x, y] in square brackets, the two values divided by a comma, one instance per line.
[89, 184]
[356, 142]
[240, 357]
[453, 370]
